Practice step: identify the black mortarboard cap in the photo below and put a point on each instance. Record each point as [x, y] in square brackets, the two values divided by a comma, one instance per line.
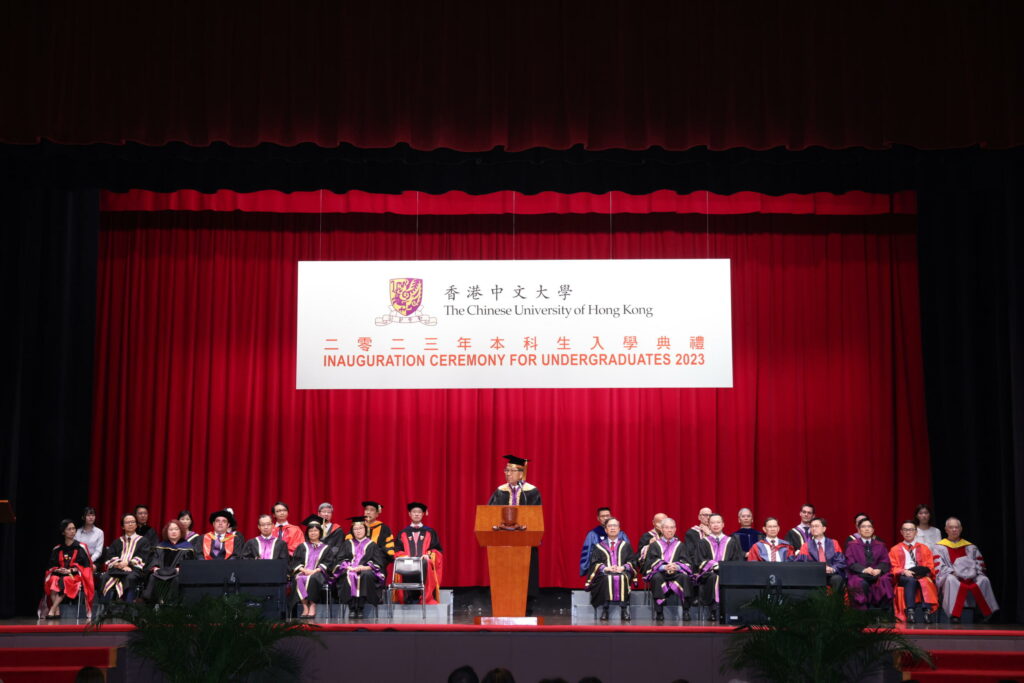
[226, 514]
[313, 519]
[373, 503]
[414, 504]
[516, 460]
[359, 518]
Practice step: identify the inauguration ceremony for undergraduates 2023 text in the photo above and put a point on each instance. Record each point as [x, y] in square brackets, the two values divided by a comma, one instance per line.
[676, 341]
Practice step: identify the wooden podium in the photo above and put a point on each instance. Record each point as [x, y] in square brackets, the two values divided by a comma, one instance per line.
[508, 555]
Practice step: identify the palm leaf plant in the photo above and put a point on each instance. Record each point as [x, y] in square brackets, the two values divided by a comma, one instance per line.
[819, 639]
[215, 639]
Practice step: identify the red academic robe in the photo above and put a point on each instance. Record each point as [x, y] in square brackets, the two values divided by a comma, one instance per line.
[74, 557]
[435, 564]
[924, 558]
[291, 535]
[230, 549]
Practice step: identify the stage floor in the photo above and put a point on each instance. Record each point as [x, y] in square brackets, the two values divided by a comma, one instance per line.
[561, 647]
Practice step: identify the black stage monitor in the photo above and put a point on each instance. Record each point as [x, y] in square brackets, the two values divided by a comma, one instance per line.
[263, 581]
[741, 582]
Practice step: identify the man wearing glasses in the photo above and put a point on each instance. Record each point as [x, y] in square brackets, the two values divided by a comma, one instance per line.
[515, 491]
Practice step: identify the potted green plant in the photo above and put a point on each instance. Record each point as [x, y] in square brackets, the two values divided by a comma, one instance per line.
[215, 639]
[820, 639]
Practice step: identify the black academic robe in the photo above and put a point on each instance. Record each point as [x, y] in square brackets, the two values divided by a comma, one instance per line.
[692, 538]
[795, 539]
[369, 584]
[162, 568]
[313, 586]
[380, 534]
[530, 495]
[606, 587]
[148, 533]
[122, 583]
[253, 550]
[406, 544]
[704, 565]
[640, 556]
[661, 581]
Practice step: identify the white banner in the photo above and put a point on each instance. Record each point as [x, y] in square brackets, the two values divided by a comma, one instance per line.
[514, 324]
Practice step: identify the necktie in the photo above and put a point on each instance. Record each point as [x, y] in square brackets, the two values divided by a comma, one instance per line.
[913, 556]
[821, 551]
[774, 551]
[280, 531]
[869, 556]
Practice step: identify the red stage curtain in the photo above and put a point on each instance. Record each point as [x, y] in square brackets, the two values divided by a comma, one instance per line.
[474, 76]
[195, 404]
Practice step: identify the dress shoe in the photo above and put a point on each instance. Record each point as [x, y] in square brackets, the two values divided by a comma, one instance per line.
[686, 615]
[910, 616]
[954, 620]
[927, 615]
[659, 615]
[714, 615]
[625, 614]
[604, 614]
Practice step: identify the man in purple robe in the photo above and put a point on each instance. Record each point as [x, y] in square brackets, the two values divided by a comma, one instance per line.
[266, 546]
[714, 548]
[868, 568]
[669, 571]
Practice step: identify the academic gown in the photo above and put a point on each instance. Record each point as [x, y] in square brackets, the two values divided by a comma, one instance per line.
[594, 536]
[747, 536]
[320, 559]
[76, 558]
[380, 534]
[640, 559]
[228, 549]
[692, 538]
[253, 549]
[762, 551]
[866, 590]
[421, 541]
[960, 571]
[527, 494]
[334, 535]
[798, 536]
[366, 584]
[663, 583]
[121, 583]
[148, 533]
[711, 551]
[605, 586]
[290, 534]
[914, 589]
[833, 558]
[162, 568]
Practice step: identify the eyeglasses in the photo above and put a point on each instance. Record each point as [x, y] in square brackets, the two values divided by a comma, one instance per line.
[512, 469]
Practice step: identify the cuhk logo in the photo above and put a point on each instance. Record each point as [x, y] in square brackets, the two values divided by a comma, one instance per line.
[406, 295]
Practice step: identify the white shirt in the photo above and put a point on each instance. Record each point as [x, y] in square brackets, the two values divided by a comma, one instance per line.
[93, 540]
[909, 556]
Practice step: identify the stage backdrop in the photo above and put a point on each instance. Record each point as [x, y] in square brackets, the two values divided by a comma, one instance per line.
[196, 404]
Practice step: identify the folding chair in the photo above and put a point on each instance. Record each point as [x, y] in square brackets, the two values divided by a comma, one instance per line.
[406, 570]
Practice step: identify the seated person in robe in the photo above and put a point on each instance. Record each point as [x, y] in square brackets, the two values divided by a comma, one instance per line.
[165, 563]
[913, 569]
[222, 543]
[747, 534]
[821, 548]
[960, 569]
[70, 573]
[714, 548]
[191, 535]
[126, 561]
[420, 540]
[145, 530]
[771, 548]
[611, 570]
[669, 571]
[285, 530]
[265, 546]
[868, 569]
[359, 572]
[310, 564]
